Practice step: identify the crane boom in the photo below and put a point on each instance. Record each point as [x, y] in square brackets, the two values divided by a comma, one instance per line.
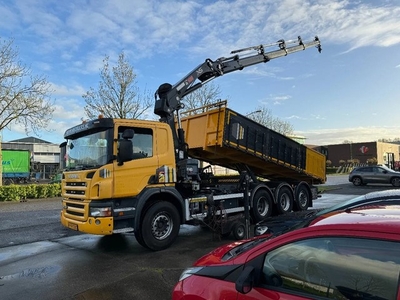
[168, 97]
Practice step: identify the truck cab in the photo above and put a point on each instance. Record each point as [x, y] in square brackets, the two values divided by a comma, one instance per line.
[98, 171]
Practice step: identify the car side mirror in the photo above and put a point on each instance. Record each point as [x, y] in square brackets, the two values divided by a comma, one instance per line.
[244, 283]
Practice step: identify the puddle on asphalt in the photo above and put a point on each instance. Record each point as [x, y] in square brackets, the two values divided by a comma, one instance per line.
[21, 251]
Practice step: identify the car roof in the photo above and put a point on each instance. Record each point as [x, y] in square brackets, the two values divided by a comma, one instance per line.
[368, 221]
[384, 218]
[383, 194]
[387, 196]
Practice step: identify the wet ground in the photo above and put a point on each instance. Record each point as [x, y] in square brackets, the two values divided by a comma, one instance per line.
[39, 259]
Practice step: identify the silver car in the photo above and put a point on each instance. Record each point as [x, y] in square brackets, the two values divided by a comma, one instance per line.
[374, 174]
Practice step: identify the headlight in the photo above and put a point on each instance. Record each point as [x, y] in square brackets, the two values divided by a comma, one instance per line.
[100, 211]
[189, 272]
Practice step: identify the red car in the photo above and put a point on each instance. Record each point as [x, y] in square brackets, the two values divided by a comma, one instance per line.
[354, 254]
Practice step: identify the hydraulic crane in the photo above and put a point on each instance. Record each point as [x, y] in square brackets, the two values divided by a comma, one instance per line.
[169, 103]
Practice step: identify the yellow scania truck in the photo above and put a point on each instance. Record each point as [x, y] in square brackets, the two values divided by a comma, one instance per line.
[140, 176]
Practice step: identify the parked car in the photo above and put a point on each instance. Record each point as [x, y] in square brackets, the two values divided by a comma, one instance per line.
[374, 174]
[299, 219]
[353, 254]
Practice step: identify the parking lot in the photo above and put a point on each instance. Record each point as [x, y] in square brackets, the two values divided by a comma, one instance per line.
[40, 258]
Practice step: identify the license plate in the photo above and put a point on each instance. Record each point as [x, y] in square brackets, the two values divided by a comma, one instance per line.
[72, 226]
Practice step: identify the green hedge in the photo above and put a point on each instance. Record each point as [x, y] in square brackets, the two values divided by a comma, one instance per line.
[15, 192]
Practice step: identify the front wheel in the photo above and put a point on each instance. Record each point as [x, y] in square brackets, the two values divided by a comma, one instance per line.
[160, 226]
[396, 182]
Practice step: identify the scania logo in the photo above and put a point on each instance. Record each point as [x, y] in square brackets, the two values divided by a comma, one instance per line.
[73, 176]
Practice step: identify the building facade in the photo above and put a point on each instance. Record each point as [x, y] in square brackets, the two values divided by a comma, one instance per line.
[384, 153]
[45, 156]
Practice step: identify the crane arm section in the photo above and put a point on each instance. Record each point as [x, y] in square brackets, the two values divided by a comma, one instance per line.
[168, 97]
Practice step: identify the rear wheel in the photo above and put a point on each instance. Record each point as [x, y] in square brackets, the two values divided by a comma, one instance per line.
[302, 198]
[396, 181]
[357, 181]
[284, 200]
[239, 231]
[262, 206]
[160, 226]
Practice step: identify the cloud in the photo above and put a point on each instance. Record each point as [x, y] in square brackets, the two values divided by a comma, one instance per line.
[62, 90]
[199, 27]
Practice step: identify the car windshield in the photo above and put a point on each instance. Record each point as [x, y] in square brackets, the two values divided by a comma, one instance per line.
[341, 205]
[87, 152]
[312, 215]
[385, 167]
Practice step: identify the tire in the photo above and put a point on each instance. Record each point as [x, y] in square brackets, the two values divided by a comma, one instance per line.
[262, 206]
[302, 198]
[139, 238]
[284, 202]
[160, 226]
[395, 182]
[239, 231]
[357, 181]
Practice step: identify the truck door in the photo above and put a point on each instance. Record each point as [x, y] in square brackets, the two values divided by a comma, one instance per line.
[133, 176]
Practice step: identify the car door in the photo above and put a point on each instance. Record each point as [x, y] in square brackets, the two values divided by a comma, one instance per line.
[337, 267]
[381, 175]
[366, 174]
[133, 176]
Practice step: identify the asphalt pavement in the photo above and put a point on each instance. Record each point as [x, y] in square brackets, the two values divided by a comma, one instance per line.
[87, 267]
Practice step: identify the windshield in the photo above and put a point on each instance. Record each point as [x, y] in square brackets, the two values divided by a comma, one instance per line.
[85, 152]
[385, 167]
[342, 205]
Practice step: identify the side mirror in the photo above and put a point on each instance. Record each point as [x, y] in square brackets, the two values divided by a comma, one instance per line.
[244, 283]
[125, 147]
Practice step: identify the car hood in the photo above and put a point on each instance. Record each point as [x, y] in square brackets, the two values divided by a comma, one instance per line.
[232, 253]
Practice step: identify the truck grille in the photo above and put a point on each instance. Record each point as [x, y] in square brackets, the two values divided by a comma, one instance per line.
[75, 210]
[75, 190]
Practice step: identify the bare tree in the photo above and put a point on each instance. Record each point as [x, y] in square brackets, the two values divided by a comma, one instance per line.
[264, 116]
[24, 97]
[118, 95]
[207, 94]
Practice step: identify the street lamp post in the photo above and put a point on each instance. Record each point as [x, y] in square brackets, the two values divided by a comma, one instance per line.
[253, 112]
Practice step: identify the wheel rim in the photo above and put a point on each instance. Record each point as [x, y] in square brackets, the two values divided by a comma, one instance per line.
[396, 182]
[284, 201]
[302, 199]
[240, 231]
[262, 206]
[161, 226]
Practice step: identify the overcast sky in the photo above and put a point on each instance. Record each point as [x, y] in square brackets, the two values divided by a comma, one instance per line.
[351, 91]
